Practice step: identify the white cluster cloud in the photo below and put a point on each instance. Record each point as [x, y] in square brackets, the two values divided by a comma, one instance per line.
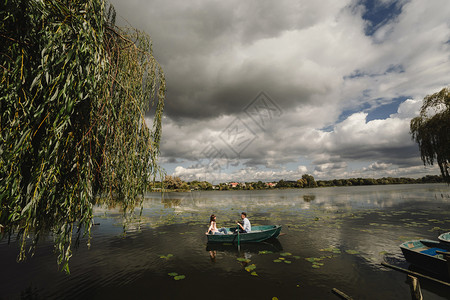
[316, 62]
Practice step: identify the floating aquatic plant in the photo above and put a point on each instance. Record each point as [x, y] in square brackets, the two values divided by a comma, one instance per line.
[331, 249]
[241, 259]
[250, 268]
[176, 276]
[166, 256]
[435, 229]
[313, 259]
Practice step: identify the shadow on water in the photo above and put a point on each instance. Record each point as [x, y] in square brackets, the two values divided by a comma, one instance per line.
[426, 285]
[272, 245]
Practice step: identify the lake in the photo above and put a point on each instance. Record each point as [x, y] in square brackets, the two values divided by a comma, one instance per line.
[331, 238]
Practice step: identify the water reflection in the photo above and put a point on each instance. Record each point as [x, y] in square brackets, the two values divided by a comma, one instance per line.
[272, 246]
[171, 203]
[309, 198]
[334, 237]
[329, 198]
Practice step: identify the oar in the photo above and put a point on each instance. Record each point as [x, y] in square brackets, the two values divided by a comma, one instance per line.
[239, 245]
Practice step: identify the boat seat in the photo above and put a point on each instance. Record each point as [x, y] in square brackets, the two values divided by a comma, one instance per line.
[432, 251]
[421, 249]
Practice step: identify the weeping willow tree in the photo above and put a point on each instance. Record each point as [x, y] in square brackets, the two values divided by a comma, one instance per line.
[431, 130]
[74, 94]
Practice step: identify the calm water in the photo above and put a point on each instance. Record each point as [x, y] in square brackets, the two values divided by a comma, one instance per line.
[333, 238]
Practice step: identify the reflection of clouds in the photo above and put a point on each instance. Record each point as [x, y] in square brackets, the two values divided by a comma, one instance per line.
[274, 205]
[369, 220]
[325, 198]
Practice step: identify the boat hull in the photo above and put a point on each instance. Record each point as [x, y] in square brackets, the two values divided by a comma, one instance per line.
[422, 253]
[258, 234]
[445, 238]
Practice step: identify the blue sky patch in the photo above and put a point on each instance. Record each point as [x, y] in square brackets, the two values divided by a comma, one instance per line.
[383, 112]
[390, 69]
[379, 13]
[346, 113]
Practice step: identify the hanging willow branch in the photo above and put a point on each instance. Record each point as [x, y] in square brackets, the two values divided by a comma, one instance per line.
[74, 91]
[431, 130]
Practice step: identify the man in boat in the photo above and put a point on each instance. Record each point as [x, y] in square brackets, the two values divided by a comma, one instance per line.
[247, 227]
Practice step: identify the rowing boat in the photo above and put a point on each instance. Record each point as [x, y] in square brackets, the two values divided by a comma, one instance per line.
[258, 234]
[427, 255]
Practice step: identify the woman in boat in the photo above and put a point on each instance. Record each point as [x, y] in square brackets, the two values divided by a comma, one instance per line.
[213, 227]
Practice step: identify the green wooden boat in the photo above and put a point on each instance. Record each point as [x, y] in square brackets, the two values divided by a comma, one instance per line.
[426, 254]
[445, 237]
[258, 234]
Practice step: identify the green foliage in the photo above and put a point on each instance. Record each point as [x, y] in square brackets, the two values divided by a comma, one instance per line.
[431, 130]
[176, 276]
[74, 91]
[379, 181]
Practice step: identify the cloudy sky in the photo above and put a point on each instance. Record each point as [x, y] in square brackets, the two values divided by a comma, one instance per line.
[269, 90]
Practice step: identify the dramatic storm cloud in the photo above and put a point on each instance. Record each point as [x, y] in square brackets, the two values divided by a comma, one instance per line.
[269, 90]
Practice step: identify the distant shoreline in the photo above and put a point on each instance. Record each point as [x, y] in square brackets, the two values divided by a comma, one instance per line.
[284, 185]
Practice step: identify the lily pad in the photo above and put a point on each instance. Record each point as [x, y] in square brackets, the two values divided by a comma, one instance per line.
[313, 259]
[265, 252]
[241, 259]
[250, 268]
[331, 249]
[179, 277]
[352, 251]
[166, 256]
[277, 260]
[285, 254]
[253, 273]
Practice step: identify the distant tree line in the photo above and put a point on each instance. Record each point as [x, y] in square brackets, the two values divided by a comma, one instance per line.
[172, 183]
[379, 181]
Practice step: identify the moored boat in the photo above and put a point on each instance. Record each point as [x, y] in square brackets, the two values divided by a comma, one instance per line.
[258, 234]
[445, 237]
[426, 254]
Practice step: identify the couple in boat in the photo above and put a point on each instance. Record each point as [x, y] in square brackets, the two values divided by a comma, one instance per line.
[244, 225]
